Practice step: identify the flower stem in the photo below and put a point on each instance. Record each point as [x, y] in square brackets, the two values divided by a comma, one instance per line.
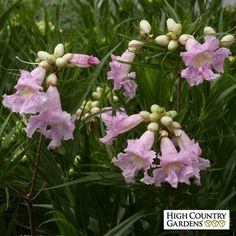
[179, 95]
[29, 195]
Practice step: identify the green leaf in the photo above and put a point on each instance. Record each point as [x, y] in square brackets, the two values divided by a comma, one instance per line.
[124, 226]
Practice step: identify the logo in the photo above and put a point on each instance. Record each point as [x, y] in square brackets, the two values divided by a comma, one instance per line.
[214, 223]
[196, 219]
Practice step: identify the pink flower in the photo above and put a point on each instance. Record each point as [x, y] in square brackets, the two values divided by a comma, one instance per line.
[138, 156]
[177, 166]
[52, 121]
[120, 74]
[28, 98]
[118, 124]
[201, 59]
[174, 166]
[186, 144]
[84, 61]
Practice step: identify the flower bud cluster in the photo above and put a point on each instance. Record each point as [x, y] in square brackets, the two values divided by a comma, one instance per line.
[159, 118]
[139, 156]
[174, 37]
[56, 60]
[93, 106]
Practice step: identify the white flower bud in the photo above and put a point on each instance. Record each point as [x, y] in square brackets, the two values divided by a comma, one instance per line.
[71, 171]
[67, 56]
[155, 108]
[163, 133]
[153, 126]
[145, 27]
[86, 115]
[115, 98]
[88, 105]
[135, 45]
[95, 104]
[60, 62]
[59, 50]
[99, 90]
[173, 113]
[96, 95]
[24, 159]
[162, 40]
[166, 120]
[170, 23]
[167, 113]
[174, 27]
[43, 56]
[231, 58]
[144, 114]
[177, 29]
[51, 80]
[208, 30]
[173, 44]
[184, 37]
[78, 113]
[160, 109]
[95, 110]
[154, 116]
[45, 65]
[227, 40]
[176, 125]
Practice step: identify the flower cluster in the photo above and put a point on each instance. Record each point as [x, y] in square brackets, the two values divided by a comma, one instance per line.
[59, 60]
[201, 59]
[45, 107]
[173, 38]
[93, 107]
[179, 159]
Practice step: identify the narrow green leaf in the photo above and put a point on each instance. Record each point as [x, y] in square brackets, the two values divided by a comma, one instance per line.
[123, 227]
[4, 124]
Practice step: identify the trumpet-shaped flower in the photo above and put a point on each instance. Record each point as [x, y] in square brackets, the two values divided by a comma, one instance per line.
[120, 74]
[201, 59]
[177, 166]
[137, 156]
[174, 166]
[118, 124]
[28, 98]
[186, 144]
[52, 121]
[83, 61]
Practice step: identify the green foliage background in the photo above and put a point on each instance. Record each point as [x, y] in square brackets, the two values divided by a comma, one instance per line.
[93, 199]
